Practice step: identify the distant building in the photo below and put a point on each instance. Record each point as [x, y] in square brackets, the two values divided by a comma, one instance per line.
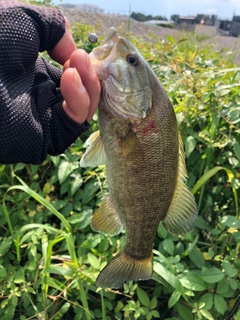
[83, 7]
[208, 20]
[89, 8]
[235, 26]
[230, 28]
[186, 23]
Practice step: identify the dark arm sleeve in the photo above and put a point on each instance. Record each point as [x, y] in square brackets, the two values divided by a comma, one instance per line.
[32, 121]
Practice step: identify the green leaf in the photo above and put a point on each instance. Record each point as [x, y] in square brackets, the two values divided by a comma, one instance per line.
[64, 187]
[65, 169]
[220, 304]
[66, 272]
[228, 269]
[84, 218]
[236, 236]
[212, 275]
[137, 314]
[153, 303]
[65, 307]
[89, 191]
[174, 298]
[233, 284]
[93, 260]
[238, 315]
[230, 221]
[155, 314]
[197, 258]
[184, 312]
[190, 144]
[143, 297]
[192, 282]
[169, 277]
[149, 316]
[207, 298]
[71, 248]
[75, 184]
[222, 286]
[19, 276]
[54, 283]
[234, 115]
[14, 300]
[236, 148]
[168, 246]
[171, 39]
[221, 92]
[143, 310]
[3, 272]
[33, 226]
[19, 167]
[206, 314]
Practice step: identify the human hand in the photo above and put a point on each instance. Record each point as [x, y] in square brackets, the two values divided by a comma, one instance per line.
[80, 86]
[43, 110]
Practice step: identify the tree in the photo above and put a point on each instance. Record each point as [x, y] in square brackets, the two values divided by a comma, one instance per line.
[174, 17]
[142, 17]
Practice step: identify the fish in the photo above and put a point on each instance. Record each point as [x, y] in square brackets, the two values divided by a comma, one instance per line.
[140, 144]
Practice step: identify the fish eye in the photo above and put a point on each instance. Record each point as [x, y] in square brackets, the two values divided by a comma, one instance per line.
[133, 60]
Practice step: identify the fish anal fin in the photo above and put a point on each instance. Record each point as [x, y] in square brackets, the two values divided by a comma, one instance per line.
[182, 213]
[106, 218]
[95, 154]
[123, 268]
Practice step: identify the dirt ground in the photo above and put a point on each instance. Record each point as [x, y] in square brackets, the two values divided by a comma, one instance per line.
[101, 23]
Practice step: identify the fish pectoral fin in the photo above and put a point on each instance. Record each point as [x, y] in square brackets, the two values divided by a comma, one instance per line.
[95, 153]
[182, 213]
[123, 268]
[106, 218]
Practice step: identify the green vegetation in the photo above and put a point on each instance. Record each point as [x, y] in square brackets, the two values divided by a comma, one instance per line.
[142, 17]
[50, 257]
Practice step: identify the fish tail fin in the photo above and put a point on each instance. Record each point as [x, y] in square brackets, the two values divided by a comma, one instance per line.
[123, 268]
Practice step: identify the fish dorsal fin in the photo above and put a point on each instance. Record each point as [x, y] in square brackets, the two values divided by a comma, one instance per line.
[182, 213]
[106, 218]
[95, 154]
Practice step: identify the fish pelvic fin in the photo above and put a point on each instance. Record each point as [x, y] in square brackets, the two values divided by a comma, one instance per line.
[182, 213]
[106, 218]
[95, 153]
[123, 268]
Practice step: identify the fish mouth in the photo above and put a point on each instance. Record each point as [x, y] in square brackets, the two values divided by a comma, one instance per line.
[107, 48]
[112, 35]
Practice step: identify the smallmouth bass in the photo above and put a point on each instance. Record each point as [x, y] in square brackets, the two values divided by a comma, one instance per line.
[139, 141]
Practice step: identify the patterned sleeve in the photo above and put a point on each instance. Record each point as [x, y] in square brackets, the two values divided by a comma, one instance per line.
[32, 121]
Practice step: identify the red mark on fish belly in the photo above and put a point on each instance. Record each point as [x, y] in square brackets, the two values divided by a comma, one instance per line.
[151, 127]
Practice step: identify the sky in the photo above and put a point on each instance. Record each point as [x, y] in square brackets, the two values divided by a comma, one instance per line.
[223, 8]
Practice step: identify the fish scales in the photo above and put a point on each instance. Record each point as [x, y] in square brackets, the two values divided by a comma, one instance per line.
[142, 149]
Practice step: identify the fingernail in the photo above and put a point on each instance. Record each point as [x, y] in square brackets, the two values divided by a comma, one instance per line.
[76, 77]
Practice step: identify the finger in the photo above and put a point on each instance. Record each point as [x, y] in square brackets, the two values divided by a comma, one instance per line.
[76, 104]
[64, 48]
[80, 60]
[66, 65]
